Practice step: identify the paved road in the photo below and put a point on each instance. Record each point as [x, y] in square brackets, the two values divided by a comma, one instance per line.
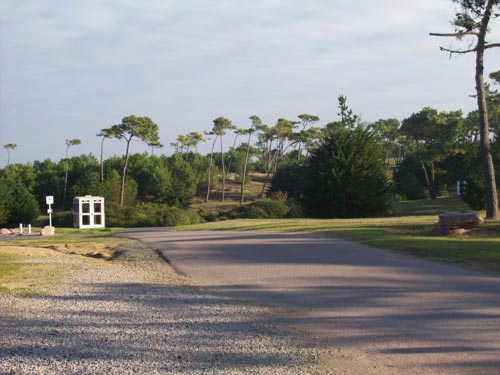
[378, 312]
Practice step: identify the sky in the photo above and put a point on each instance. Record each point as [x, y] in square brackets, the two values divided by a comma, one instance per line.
[71, 68]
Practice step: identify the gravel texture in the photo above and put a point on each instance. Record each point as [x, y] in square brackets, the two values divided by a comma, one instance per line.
[133, 315]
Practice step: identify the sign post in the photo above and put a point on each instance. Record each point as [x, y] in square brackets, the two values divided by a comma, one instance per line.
[49, 199]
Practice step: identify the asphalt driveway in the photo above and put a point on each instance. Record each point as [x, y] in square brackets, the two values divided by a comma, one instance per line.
[377, 312]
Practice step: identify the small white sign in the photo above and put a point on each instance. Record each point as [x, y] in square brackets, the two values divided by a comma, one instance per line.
[49, 211]
[49, 199]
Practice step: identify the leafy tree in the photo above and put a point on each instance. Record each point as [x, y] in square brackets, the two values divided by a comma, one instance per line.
[265, 142]
[69, 143]
[195, 138]
[284, 132]
[386, 132]
[348, 119]
[183, 181]
[9, 147]
[18, 205]
[209, 174]
[153, 145]
[48, 181]
[183, 143]
[112, 191]
[346, 177]
[4, 210]
[152, 176]
[85, 176]
[256, 122]
[103, 134]
[472, 21]
[306, 121]
[434, 135]
[409, 179]
[221, 125]
[290, 179]
[131, 127]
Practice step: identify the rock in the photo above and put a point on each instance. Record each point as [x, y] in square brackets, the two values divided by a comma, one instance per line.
[6, 231]
[47, 231]
[451, 222]
[459, 232]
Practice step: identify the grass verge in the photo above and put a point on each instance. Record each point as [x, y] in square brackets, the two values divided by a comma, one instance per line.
[29, 271]
[34, 265]
[409, 234]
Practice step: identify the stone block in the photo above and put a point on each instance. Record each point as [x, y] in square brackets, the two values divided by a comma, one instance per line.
[450, 222]
[47, 231]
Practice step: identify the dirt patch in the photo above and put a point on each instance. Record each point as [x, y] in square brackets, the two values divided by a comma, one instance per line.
[93, 250]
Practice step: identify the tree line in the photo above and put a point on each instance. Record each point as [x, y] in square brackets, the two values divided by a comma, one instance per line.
[424, 155]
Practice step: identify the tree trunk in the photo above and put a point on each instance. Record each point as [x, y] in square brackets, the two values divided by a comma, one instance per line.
[65, 179]
[65, 185]
[242, 192]
[223, 169]
[231, 156]
[427, 179]
[210, 170]
[484, 132]
[124, 173]
[102, 165]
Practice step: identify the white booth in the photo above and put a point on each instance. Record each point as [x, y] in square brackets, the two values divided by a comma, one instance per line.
[88, 212]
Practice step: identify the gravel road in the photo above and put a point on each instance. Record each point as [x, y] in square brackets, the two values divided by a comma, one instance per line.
[129, 316]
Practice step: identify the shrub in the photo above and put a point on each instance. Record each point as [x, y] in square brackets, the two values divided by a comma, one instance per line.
[255, 212]
[263, 209]
[295, 211]
[18, 204]
[289, 179]
[475, 192]
[346, 177]
[150, 215]
[408, 179]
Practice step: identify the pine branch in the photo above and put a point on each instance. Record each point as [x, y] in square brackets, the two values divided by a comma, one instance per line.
[458, 34]
[492, 45]
[452, 51]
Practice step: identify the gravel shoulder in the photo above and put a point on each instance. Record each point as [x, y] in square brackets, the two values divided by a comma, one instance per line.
[134, 314]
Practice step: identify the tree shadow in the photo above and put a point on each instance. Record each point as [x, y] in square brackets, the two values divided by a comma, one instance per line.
[144, 328]
[351, 295]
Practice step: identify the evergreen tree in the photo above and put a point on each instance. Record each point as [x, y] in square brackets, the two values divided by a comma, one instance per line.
[346, 177]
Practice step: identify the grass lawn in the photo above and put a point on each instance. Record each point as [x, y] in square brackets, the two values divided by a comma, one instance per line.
[407, 234]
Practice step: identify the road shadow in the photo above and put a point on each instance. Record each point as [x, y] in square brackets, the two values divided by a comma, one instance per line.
[396, 307]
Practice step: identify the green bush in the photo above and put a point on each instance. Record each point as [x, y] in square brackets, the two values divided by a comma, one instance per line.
[18, 205]
[208, 215]
[475, 192]
[289, 178]
[150, 215]
[295, 211]
[409, 179]
[346, 177]
[263, 209]
[255, 212]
